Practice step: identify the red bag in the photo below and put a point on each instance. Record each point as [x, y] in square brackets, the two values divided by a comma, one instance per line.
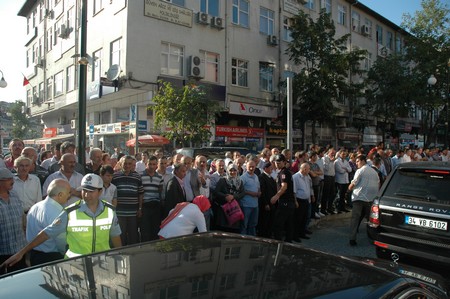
[233, 212]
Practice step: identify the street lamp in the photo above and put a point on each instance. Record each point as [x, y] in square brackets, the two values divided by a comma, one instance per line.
[432, 80]
[3, 83]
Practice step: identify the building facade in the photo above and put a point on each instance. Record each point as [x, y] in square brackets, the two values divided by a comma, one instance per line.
[235, 48]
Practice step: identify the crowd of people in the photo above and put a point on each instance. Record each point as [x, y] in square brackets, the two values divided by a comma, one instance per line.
[53, 207]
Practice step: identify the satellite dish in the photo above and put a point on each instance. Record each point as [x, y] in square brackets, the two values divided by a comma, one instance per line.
[113, 72]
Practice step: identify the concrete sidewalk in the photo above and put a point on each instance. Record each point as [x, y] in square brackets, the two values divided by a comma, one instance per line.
[315, 223]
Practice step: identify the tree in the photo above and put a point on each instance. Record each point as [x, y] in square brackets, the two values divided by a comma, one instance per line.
[428, 49]
[21, 123]
[186, 111]
[390, 92]
[326, 67]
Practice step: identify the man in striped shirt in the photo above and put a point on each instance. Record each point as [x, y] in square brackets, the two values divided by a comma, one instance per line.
[130, 195]
[152, 183]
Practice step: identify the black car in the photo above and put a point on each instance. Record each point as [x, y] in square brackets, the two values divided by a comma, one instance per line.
[411, 214]
[219, 265]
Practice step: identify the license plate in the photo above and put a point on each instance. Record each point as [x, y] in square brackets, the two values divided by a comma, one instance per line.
[427, 223]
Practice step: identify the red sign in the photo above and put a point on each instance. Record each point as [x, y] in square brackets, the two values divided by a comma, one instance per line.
[232, 131]
[50, 132]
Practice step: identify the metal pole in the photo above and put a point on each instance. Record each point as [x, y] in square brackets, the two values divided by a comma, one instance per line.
[82, 88]
[289, 109]
[136, 146]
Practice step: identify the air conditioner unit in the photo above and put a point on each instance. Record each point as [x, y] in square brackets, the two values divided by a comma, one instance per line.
[63, 31]
[217, 22]
[272, 40]
[61, 120]
[73, 123]
[365, 30]
[196, 67]
[202, 18]
[40, 63]
[49, 14]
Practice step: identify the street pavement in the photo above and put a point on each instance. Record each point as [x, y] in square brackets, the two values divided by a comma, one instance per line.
[331, 235]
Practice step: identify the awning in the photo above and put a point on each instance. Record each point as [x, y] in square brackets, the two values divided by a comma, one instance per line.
[57, 138]
[149, 140]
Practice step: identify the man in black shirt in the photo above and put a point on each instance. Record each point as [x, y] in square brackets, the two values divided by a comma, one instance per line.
[285, 198]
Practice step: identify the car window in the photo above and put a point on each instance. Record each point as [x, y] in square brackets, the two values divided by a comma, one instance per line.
[420, 184]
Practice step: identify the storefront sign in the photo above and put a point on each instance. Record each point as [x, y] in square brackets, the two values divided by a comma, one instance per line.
[253, 110]
[168, 12]
[276, 131]
[231, 131]
[50, 132]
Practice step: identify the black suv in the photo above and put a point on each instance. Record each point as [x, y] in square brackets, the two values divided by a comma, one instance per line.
[411, 214]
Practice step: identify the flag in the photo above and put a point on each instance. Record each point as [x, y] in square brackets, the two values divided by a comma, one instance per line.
[25, 81]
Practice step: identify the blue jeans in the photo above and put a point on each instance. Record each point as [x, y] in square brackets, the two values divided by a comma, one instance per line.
[248, 225]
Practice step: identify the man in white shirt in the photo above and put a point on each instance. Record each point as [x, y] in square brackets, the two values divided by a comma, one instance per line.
[26, 185]
[342, 168]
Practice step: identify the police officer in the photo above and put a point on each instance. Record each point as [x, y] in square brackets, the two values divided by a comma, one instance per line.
[90, 224]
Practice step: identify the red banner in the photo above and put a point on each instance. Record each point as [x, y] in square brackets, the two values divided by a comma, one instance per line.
[50, 132]
[231, 131]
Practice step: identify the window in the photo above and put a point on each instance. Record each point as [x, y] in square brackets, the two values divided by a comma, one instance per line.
[97, 65]
[169, 292]
[251, 277]
[29, 97]
[398, 44]
[29, 22]
[326, 4]
[356, 21]
[368, 24]
[171, 259]
[28, 59]
[106, 292]
[59, 84]
[49, 39]
[211, 66]
[35, 18]
[368, 61]
[177, 2]
[227, 282]
[35, 54]
[309, 4]
[172, 57]
[287, 32]
[41, 47]
[266, 21]
[239, 72]
[41, 11]
[70, 78]
[70, 18]
[379, 34]
[266, 76]
[232, 253]
[115, 52]
[210, 7]
[121, 264]
[389, 40]
[49, 89]
[98, 6]
[240, 12]
[199, 288]
[342, 14]
[41, 91]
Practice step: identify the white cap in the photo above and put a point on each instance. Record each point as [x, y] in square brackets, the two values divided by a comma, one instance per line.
[91, 182]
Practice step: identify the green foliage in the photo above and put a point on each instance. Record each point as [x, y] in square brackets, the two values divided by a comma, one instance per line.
[326, 67]
[428, 50]
[21, 123]
[187, 111]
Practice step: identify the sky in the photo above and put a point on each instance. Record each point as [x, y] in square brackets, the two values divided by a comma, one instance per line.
[12, 38]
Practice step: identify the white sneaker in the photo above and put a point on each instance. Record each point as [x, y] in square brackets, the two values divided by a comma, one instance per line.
[320, 214]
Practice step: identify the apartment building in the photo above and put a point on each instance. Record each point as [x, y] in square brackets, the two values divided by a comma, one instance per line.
[236, 48]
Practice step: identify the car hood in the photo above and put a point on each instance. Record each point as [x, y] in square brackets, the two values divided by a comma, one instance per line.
[208, 265]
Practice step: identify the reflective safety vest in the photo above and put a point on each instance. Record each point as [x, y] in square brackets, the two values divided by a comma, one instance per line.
[86, 234]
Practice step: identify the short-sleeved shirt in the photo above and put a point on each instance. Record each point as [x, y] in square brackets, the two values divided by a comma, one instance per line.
[74, 182]
[109, 193]
[366, 184]
[251, 183]
[29, 191]
[285, 176]
[59, 226]
[12, 237]
[39, 217]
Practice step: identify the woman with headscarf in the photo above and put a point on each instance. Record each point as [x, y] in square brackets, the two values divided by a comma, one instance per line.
[228, 188]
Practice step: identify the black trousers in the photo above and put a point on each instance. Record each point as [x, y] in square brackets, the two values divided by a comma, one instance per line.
[283, 222]
[300, 218]
[342, 193]
[328, 194]
[151, 220]
[38, 257]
